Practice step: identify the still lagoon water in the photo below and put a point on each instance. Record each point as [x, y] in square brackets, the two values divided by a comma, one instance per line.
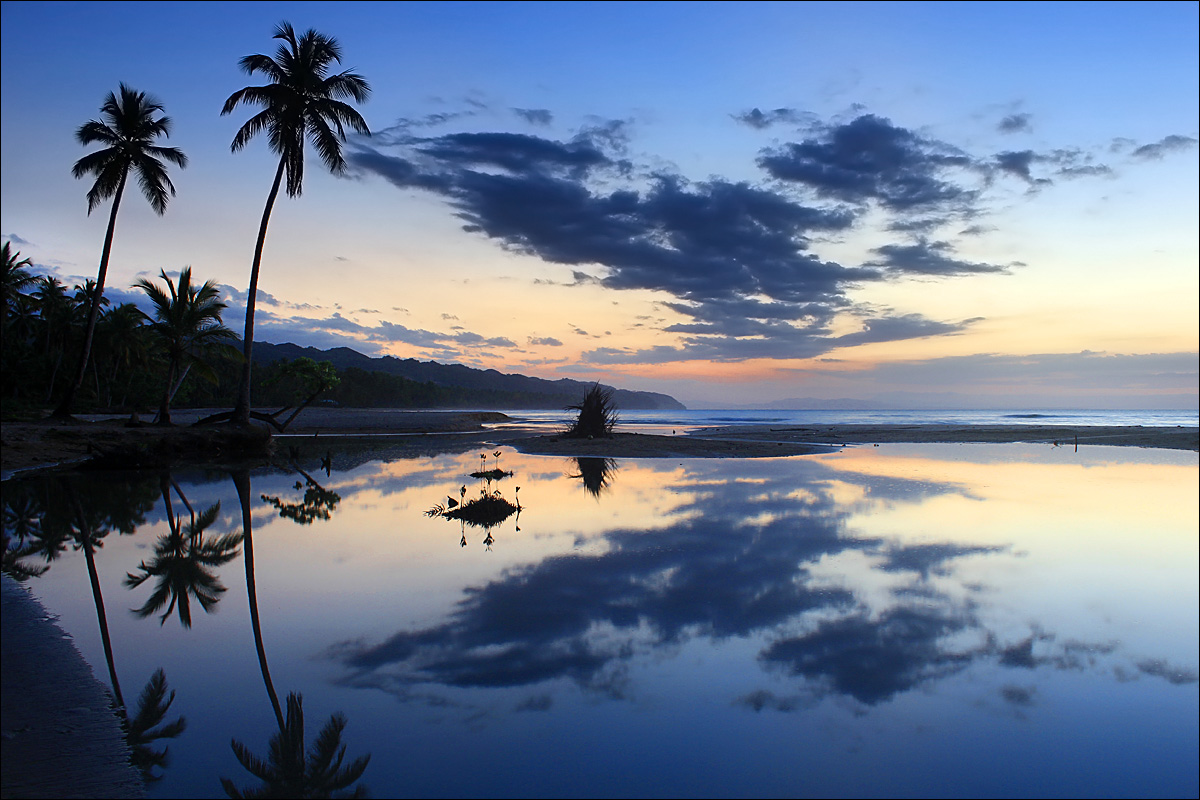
[901, 620]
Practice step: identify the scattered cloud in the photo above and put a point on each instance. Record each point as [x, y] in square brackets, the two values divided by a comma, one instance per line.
[1015, 123]
[761, 120]
[535, 116]
[1166, 145]
[928, 258]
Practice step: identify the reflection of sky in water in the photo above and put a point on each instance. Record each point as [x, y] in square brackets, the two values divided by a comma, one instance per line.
[982, 619]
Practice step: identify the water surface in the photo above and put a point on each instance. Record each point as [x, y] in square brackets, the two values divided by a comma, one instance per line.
[933, 620]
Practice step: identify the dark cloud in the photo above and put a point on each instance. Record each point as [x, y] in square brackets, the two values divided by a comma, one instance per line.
[1166, 145]
[928, 258]
[1015, 123]
[1017, 163]
[739, 260]
[548, 341]
[535, 116]
[1064, 163]
[871, 160]
[765, 119]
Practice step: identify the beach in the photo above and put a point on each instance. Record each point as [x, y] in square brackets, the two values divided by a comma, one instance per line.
[31, 445]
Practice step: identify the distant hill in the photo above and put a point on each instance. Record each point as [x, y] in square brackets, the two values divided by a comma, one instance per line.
[505, 389]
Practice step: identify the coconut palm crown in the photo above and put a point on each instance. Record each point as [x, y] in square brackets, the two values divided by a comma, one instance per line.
[302, 101]
[127, 130]
[186, 321]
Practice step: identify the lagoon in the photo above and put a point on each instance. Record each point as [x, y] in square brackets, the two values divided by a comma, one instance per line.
[900, 620]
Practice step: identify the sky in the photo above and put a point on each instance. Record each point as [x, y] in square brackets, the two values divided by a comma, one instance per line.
[988, 205]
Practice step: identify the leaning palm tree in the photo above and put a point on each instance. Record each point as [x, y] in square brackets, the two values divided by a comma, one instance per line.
[187, 323]
[127, 132]
[300, 102]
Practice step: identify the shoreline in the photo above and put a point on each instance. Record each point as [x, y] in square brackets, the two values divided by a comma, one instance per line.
[107, 440]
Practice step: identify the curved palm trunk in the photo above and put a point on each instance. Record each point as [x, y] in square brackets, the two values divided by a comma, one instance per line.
[241, 411]
[64, 408]
[241, 480]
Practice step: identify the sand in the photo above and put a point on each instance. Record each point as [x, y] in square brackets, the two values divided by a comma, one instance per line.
[34, 445]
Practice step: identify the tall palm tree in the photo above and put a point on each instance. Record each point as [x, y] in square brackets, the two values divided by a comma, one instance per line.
[301, 101]
[187, 322]
[128, 130]
[14, 277]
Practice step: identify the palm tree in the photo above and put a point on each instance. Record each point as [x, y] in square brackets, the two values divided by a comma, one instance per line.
[13, 278]
[187, 322]
[291, 772]
[57, 315]
[127, 132]
[301, 101]
[123, 339]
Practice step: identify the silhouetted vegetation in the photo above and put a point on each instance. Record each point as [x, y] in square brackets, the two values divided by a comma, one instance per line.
[597, 414]
[596, 473]
[128, 131]
[291, 771]
[301, 101]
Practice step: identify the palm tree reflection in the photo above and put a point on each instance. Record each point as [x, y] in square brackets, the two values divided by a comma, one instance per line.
[153, 703]
[288, 770]
[183, 562]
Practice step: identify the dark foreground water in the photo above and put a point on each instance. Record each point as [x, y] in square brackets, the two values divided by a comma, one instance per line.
[920, 620]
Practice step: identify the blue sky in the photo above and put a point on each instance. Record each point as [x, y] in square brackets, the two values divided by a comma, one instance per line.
[990, 204]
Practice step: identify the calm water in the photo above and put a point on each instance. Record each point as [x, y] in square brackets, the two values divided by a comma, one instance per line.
[660, 421]
[920, 620]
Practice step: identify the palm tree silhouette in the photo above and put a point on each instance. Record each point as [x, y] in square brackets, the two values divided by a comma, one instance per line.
[183, 563]
[55, 313]
[146, 727]
[241, 480]
[288, 771]
[291, 772]
[187, 323]
[14, 277]
[153, 703]
[127, 131]
[301, 101]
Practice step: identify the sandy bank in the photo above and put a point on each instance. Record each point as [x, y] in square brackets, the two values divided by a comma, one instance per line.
[29, 445]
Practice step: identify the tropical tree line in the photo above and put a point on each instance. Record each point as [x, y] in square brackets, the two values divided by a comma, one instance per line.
[301, 101]
[140, 360]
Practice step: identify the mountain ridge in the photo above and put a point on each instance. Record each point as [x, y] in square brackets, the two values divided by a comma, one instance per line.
[558, 393]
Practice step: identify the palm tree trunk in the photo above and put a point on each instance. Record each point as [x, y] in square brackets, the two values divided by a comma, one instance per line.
[64, 408]
[241, 411]
[164, 409]
[85, 533]
[241, 480]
